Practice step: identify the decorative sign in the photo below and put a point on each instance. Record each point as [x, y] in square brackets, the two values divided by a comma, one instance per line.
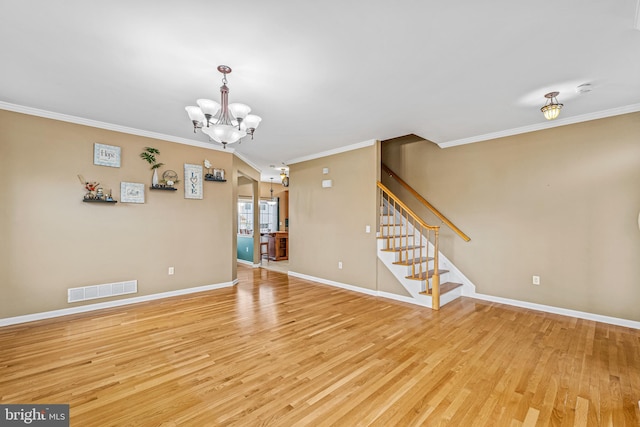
[106, 155]
[192, 181]
[131, 192]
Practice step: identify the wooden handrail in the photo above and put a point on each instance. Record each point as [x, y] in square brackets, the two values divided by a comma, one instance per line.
[406, 208]
[404, 232]
[422, 200]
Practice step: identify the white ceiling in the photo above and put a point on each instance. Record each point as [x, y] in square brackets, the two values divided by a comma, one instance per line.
[326, 74]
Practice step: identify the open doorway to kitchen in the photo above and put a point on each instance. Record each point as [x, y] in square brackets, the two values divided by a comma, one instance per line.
[274, 226]
[245, 221]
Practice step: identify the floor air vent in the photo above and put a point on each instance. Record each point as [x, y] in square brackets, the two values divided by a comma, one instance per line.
[102, 291]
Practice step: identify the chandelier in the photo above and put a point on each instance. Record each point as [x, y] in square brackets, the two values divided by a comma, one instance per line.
[551, 109]
[224, 123]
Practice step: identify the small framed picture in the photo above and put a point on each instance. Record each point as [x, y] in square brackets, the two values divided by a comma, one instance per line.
[131, 192]
[106, 155]
[192, 181]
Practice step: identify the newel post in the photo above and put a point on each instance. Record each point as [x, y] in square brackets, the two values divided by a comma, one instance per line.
[435, 279]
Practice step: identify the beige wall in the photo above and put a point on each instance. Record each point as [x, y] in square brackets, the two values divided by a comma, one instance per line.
[51, 240]
[245, 187]
[560, 203]
[327, 225]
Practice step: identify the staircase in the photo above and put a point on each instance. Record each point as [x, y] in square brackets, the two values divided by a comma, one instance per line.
[409, 248]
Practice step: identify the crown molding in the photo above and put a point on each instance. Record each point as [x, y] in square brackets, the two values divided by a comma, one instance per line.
[108, 126]
[332, 152]
[247, 161]
[633, 108]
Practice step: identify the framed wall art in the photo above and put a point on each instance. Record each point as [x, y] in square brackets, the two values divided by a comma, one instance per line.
[106, 155]
[131, 192]
[192, 181]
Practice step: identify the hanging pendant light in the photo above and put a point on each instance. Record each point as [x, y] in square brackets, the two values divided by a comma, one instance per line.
[551, 109]
[223, 122]
[272, 200]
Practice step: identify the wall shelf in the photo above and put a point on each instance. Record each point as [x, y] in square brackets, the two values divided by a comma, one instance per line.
[165, 188]
[99, 201]
[214, 179]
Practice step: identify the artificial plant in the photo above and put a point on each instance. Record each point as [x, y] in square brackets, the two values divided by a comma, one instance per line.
[149, 154]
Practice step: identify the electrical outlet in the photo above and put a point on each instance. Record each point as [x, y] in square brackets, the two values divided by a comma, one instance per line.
[367, 229]
[340, 265]
[247, 248]
[171, 271]
[535, 280]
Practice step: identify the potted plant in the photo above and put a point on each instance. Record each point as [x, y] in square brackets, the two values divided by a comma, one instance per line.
[149, 155]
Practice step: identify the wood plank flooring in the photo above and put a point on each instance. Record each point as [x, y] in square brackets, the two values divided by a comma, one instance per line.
[277, 350]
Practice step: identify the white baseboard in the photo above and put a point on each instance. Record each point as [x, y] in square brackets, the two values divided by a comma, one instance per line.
[516, 303]
[557, 310]
[109, 304]
[401, 298]
[336, 284]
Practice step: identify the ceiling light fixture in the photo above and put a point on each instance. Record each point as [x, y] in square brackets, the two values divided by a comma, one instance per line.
[272, 200]
[224, 123]
[284, 178]
[551, 109]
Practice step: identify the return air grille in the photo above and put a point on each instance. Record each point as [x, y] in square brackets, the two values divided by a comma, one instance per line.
[102, 291]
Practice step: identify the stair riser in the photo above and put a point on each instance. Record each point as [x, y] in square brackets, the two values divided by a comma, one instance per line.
[423, 284]
[400, 257]
[444, 277]
[423, 266]
[391, 230]
[398, 242]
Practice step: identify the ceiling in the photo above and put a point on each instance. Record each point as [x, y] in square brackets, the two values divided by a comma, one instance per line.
[323, 75]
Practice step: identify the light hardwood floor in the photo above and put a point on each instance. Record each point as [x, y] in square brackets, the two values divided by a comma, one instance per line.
[276, 350]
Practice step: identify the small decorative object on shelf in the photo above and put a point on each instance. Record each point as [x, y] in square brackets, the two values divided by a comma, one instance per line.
[90, 186]
[217, 175]
[94, 193]
[169, 179]
[149, 155]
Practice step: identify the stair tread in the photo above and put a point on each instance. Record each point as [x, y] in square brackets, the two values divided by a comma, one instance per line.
[403, 236]
[444, 288]
[423, 275]
[414, 261]
[401, 248]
